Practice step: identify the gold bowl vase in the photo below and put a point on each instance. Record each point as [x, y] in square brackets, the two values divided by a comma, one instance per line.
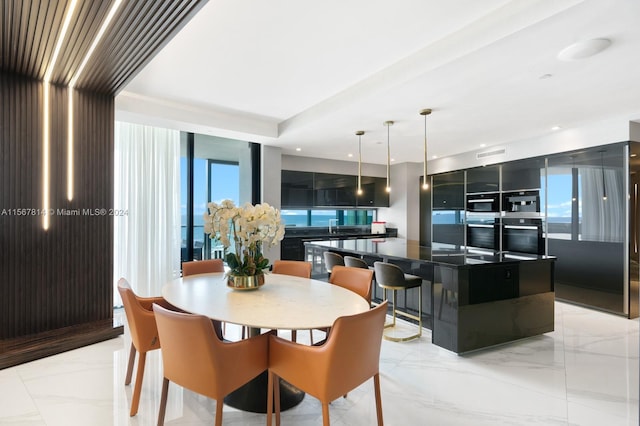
[245, 282]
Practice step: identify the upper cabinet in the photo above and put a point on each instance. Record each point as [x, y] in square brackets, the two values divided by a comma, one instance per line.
[334, 190]
[522, 175]
[448, 191]
[297, 189]
[308, 189]
[374, 192]
[483, 179]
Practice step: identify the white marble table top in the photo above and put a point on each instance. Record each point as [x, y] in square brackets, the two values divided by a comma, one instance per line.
[283, 302]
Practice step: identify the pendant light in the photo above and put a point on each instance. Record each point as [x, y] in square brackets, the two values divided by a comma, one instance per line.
[388, 124]
[604, 187]
[359, 133]
[424, 113]
[573, 168]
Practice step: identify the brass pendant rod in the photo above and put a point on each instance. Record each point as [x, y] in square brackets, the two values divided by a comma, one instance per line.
[424, 113]
[359, 133]
[388, 124]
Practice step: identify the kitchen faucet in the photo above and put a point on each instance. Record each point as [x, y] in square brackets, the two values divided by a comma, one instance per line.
[336, 223]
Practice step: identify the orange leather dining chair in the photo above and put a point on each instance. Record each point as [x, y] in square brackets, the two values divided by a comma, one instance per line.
[297, 268]
[194, 357]
[349, 357]
[207, 266]
[357, 280]
[144, 334]
[202, 267]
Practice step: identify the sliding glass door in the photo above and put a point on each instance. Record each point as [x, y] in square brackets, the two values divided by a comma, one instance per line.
[212, 169]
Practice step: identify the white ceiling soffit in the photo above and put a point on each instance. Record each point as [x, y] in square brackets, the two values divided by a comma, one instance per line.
[302, 74]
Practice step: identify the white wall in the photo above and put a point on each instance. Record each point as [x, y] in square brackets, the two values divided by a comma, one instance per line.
[271, 165]
[404, 201]
[318, 165]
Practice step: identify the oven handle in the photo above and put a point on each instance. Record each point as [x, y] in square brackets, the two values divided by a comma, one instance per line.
[520, 227]
[476, 225]
[482, 200]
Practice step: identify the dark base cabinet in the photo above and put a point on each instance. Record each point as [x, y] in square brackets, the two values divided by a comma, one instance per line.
[467, 317]
[469, 301]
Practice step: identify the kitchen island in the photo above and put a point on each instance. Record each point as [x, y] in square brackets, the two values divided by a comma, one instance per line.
[476, 299]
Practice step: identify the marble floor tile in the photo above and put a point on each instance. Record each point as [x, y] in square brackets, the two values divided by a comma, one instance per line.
[583, 373]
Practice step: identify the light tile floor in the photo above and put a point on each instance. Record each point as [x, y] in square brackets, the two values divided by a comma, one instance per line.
[584, 373]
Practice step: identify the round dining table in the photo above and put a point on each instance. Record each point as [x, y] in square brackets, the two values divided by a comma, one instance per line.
[283, 302]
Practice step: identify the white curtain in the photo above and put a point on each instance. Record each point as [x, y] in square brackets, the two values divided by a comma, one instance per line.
[147, 188]
[602, 220]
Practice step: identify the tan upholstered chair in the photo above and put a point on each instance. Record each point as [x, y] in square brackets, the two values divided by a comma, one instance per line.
[349, 357]
[202, 267]
[295, 268]
[357, 280]
[144, 334]
[391, 277]
[292, 267]
[207, 266]
[194, 357]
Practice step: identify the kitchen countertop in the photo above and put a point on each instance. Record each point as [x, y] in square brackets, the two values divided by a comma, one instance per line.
[403, 249]
[323, 233]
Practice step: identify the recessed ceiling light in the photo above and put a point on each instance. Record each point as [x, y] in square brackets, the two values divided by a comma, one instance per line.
[482, 145]
[349, 155]
[393, 159]
[584, 49]
[554, 128]
[298, 149]
[434, 156]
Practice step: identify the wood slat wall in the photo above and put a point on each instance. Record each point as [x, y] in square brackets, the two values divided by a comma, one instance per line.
[56, 286]
[29, 31]
[63, 276]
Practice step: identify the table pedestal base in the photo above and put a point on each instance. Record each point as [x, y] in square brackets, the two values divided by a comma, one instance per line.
[253, 396]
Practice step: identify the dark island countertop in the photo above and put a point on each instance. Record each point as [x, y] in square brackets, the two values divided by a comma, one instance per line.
[475, 299]
[402, 249]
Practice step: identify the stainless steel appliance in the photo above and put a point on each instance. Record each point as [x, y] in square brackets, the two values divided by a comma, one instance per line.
[522, 235]
[521, 203]
[483, 233]
[486, 202]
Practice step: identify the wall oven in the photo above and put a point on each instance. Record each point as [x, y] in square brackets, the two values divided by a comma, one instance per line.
[483, 203]
[522, 235]
[483, 234]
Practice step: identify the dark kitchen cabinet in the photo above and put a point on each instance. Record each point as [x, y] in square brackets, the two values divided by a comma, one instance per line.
[483, 179]
[292, 249]
[374, 192]
[309, 189]
[522, 175]
[297, 189]
[334, 190]
[448, 191]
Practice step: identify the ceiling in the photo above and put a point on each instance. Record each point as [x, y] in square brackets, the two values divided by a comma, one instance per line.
[308, 75]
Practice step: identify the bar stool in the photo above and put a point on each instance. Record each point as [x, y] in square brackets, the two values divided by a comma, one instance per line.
[391, 277]
[332, 259]
[356, 262]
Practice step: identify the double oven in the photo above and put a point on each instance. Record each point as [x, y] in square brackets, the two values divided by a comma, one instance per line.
[507, 222]
[521, 223]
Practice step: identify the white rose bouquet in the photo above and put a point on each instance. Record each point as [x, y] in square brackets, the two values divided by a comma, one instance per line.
[248, 227]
